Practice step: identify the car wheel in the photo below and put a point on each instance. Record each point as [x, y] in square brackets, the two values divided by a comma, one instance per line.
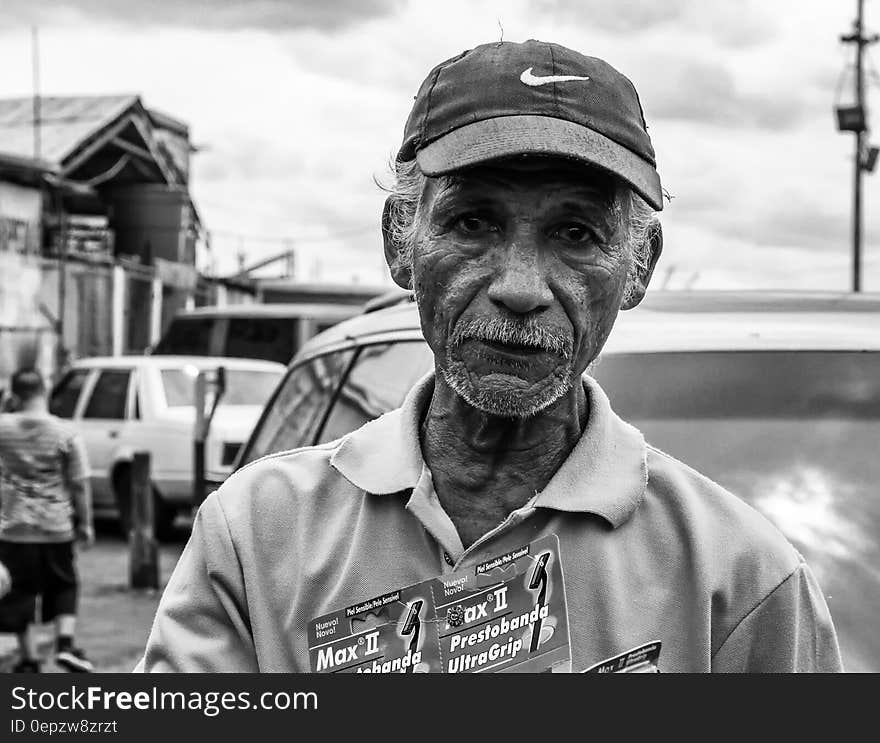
[163, 513]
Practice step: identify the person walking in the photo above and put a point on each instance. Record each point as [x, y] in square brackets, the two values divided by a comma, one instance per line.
[45, 507]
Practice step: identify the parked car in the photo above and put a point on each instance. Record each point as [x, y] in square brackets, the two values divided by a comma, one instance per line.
[273, 332]
[776, 397]
[125, 404]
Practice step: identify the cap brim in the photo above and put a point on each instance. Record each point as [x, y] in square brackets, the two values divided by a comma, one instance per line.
[507, 136]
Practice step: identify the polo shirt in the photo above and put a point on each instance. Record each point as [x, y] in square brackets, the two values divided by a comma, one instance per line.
[650, 550]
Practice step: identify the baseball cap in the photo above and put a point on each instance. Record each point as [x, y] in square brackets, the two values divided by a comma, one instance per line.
[533, 98]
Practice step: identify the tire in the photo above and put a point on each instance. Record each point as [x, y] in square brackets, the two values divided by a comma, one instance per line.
[163, 512]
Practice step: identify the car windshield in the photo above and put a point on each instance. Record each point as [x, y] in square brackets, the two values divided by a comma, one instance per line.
[243, 386]
[315, 405]
[795, 434]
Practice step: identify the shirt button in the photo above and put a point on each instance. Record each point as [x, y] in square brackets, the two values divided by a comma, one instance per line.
[449, 560]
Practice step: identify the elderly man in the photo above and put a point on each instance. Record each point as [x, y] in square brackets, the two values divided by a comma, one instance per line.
[523, 217]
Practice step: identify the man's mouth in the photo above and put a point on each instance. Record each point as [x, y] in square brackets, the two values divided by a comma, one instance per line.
[500, 342]
[513, 349]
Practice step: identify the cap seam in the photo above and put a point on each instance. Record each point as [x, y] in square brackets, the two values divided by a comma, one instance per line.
[427, 110]
[430, 93]
[639, 102]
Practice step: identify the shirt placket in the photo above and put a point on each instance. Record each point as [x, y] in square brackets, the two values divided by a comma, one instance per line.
[425, 506]
[514, 519]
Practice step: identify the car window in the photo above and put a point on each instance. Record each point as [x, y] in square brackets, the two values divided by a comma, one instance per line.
[243, 386]
[188, 336]
[293, 415]
[795, 435]
[743, 384]
[109, 395]
[269, 338]
[378, 382]
[66, 393]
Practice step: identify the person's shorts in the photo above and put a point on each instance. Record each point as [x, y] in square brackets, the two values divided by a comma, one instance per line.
[44, 569]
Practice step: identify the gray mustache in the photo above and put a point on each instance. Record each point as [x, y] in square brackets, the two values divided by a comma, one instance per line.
[518, 332]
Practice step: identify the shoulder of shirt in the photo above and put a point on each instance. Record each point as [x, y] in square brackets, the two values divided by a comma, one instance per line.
[279, 484]
[290, 456]
[63, 424]
[65, 429]
[725, 521]
[51, 422]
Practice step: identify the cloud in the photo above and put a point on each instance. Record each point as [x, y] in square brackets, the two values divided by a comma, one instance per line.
[736, 25]
[246, 157]
[738, 198]
[700, 257]
[624, 16]
[797, 225]
[809, 226]
[772, 219]
[270, 15]
[688, 89]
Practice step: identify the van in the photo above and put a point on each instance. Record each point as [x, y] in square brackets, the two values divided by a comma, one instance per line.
[272, 332]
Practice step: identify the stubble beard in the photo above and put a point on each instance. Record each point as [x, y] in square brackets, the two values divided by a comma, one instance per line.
[507, 400]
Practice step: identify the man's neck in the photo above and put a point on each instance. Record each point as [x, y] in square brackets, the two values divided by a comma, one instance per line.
[36, 406]
[484, 467]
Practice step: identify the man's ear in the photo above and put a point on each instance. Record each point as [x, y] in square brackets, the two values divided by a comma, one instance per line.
[400, 269]
[639, 279]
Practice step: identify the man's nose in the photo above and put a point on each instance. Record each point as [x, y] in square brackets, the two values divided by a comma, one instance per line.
[520, 283]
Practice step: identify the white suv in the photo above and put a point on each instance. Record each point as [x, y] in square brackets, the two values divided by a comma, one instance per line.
[145, 403]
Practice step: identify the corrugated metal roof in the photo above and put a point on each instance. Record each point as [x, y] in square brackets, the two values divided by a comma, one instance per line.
[64, 123]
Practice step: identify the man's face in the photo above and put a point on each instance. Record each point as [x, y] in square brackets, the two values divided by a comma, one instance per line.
[519, 269]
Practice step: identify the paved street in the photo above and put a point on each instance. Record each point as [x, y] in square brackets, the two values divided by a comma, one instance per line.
[114, 620]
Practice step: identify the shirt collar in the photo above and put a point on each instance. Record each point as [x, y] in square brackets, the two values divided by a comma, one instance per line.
[384, 455]
[605, 474]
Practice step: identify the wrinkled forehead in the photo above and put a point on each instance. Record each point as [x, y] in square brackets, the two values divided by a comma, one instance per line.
[539, 174]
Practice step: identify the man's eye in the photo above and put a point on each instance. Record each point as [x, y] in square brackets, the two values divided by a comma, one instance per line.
[573, 233]
[471, 224]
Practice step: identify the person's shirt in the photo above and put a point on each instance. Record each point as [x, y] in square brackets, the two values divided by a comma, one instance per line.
[42, 463]
[650, 550]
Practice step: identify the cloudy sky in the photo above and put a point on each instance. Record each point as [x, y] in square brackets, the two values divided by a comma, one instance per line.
[297, 105]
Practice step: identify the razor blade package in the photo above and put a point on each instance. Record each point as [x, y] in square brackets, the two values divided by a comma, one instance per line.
[642, 659]
[505, 615]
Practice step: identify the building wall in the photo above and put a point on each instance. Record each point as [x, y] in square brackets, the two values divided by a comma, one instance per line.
[20, 217]
[27, 338]
[92, 314]
[152, 221]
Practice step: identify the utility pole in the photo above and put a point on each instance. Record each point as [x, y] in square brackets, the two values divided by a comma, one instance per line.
[35, 61]
[54, 204]
[859, 126]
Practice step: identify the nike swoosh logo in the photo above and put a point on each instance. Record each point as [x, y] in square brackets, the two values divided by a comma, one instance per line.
[529, 79]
